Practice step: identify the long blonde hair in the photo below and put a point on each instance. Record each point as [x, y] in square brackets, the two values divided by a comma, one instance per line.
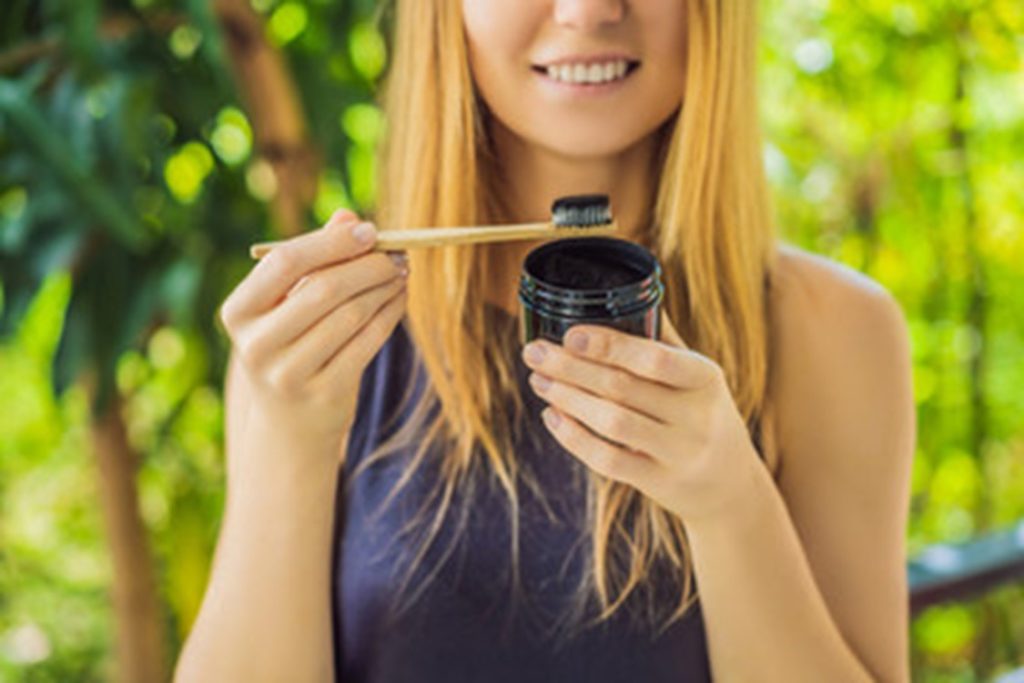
[710, 228]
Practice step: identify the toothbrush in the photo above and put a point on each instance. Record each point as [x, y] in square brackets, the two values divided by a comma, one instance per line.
[575, 216]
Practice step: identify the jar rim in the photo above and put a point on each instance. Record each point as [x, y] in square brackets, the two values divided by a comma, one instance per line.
[637, 255]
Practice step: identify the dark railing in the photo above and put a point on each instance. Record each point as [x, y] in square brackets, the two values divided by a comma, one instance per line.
[958, 571]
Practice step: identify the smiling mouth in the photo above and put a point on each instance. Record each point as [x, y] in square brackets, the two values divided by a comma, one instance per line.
[631, 66]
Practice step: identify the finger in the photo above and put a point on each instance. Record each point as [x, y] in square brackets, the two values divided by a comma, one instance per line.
[654, 399]
[323, 291]
[614, 422]
[278, 272]
[360, 349]
[311, 351]
[615, 462]
[643, 357]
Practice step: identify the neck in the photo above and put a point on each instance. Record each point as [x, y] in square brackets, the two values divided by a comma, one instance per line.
[532, 178]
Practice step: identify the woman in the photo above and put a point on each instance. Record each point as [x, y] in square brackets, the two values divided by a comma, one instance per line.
[550, 515]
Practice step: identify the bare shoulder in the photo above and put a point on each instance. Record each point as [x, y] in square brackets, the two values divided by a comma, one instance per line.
[806, 282]
[839, 342]
[840, 381]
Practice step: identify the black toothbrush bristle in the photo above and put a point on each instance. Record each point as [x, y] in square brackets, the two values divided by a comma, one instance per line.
[581, 211]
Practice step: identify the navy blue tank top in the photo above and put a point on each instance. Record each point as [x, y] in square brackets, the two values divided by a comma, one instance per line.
[461, 621]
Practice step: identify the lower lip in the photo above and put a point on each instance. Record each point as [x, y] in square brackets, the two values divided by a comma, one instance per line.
[586, 89]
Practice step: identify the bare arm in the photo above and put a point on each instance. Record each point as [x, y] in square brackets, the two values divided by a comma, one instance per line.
[266, 614]
[807, 581]
[304, 324]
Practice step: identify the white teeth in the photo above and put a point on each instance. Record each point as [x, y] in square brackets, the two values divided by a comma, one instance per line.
[594, 73]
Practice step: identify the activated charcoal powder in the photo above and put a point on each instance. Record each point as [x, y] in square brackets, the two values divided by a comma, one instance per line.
[590, 269]
[594, 280]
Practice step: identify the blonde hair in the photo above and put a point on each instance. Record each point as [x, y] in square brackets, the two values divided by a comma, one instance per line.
[710, 229]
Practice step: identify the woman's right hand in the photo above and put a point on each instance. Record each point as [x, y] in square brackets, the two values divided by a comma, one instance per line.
[307, 320]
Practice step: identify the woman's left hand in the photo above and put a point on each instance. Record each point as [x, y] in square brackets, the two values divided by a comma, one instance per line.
[653, 414]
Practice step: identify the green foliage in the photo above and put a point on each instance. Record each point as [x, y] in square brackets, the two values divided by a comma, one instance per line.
[131, 186]
[130, 189]
[902, 159]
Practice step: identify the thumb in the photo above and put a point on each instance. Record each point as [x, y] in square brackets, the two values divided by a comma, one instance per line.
[669, 335]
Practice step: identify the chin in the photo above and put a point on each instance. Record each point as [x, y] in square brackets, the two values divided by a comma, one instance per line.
[576, 136]
[581, 144]
[580, 136]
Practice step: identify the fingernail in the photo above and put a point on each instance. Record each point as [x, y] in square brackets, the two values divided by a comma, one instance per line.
[540, 382]
[364, 232]
[342, 216]
[550, 417]
[577, 341]
[399, 258]
[534, 352]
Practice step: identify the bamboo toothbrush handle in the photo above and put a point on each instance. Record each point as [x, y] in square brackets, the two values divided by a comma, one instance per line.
[398, 240]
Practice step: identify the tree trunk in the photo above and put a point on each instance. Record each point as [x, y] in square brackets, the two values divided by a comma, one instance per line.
[137, 610]
[279, 127]
[273, 105]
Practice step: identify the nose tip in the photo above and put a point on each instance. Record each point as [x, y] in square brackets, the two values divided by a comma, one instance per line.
[588, 13]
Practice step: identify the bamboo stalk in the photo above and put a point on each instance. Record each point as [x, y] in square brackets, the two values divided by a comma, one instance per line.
[398, 240]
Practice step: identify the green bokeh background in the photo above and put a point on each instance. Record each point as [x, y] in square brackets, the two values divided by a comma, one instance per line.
[130, 183]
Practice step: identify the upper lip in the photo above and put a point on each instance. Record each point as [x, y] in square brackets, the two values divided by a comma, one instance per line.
[602, 58]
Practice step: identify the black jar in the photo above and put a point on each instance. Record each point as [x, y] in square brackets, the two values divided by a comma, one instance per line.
[593, 280]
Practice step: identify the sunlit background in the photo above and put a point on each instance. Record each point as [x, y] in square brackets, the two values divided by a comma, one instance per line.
[140, 156]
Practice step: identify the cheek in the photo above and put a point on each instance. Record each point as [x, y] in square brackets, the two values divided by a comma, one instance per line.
[666, 40]
[481, 19]
[493, 34]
